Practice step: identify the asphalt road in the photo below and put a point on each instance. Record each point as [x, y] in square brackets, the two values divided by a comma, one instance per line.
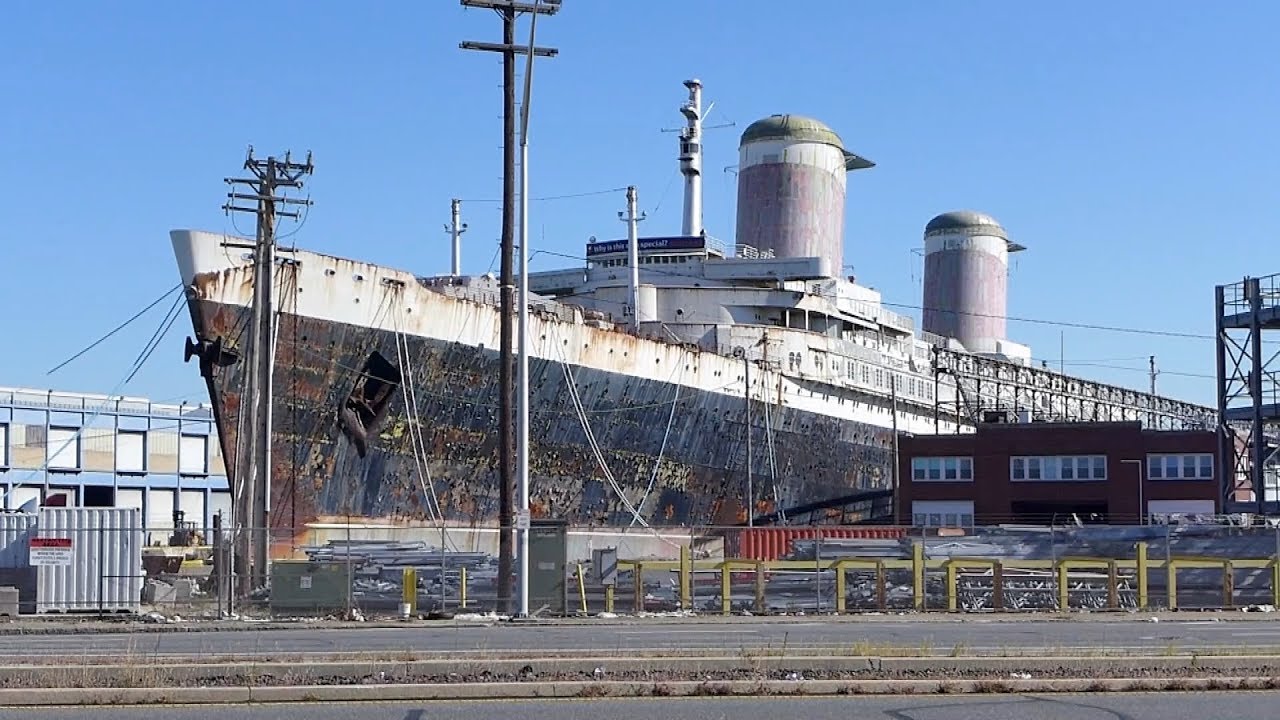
[1142, 706]
[944, 638]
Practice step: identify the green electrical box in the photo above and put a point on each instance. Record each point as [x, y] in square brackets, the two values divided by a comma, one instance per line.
[548, 559]
[301, 586]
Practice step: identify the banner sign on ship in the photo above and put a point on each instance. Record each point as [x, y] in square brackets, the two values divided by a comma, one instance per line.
[663, 243]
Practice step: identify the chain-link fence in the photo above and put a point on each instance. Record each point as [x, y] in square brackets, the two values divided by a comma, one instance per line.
[363, 569]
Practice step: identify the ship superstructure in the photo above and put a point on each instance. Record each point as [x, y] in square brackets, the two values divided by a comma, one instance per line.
[645, 385]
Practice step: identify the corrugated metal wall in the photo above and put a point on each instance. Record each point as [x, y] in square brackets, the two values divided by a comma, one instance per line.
[772, 543]
[106, 570]
[15, 528]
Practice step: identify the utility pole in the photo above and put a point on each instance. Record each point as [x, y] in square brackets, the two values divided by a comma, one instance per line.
[632, 218]
[455, 228]
[507, 10]
[751, 493]
[268, 176]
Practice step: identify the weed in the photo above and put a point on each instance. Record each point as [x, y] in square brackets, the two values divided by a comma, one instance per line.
[992, 686]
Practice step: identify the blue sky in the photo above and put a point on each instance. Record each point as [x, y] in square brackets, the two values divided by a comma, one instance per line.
[1131, 146]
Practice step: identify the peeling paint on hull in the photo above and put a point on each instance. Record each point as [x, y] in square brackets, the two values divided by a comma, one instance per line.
[699, 479]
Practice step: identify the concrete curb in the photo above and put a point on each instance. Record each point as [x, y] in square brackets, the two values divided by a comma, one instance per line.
[501, 670]
[664, 654]
[588, 689]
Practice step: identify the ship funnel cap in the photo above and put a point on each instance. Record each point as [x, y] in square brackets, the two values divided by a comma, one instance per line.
[799, 128]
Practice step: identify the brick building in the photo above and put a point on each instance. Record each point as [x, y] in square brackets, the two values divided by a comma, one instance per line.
[1046, 472]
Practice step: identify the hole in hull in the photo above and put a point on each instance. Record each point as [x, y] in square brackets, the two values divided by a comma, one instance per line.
[365, 409]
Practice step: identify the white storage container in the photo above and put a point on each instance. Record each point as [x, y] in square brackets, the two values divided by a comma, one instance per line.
[15, 528]
[104, 568]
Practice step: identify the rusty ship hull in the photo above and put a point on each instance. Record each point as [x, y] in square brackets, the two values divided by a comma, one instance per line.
[371, 362]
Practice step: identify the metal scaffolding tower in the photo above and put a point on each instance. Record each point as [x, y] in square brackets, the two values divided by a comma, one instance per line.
[1248, 392]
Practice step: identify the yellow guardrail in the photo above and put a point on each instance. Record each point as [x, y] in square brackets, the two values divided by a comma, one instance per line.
[952, 568]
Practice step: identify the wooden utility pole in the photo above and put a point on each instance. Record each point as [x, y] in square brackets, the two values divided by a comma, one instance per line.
[508, 10]
[252, 493]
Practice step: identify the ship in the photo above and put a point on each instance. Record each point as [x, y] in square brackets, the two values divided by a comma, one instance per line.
[675, 380]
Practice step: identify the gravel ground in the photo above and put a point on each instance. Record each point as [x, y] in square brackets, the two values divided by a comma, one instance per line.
[1263, 676]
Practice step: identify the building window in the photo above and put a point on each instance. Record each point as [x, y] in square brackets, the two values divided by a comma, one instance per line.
[942, 513]
[1058, 467]
[131, 452]
[193, 455]
[942, 469]
[4, 445]
[62, 449]
[1195, 466]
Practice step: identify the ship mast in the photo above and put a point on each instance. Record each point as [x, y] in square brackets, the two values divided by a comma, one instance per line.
[456, 228]
[691, 159]
[507, 10]
[252, 502]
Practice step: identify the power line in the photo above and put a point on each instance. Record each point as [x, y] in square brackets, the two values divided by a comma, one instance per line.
[113, 396]
[1145, 371]
[1033, 321]
[570, 196]
[115, 330]
[1059, 323]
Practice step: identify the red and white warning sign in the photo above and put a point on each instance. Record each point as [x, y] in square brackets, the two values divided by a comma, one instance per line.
[50, 551]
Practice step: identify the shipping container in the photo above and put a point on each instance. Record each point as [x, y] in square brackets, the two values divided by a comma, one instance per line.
[90, 560]
[15, 570]
[773, 543]
[15, 528]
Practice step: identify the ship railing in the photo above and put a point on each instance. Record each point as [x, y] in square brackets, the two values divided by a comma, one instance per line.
[933, 339]
[714, 244]
[751, 252]
[559, 310]
[851, 349]
[475, 295]
[877, 313]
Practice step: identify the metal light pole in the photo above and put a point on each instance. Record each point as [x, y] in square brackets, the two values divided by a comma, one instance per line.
[522, 396]
[897, 485]
[741, 352]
